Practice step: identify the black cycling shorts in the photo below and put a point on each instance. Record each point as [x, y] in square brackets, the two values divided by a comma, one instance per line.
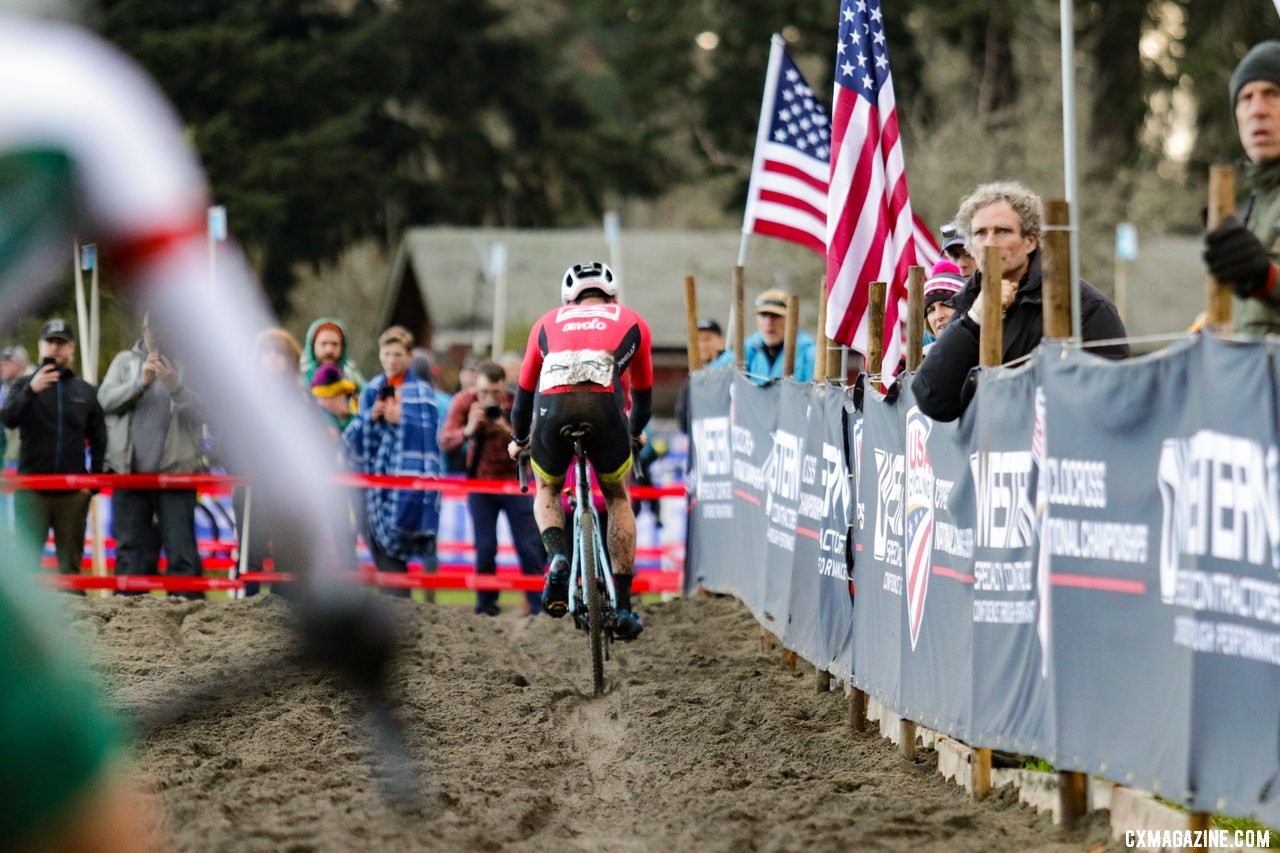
[608, 448]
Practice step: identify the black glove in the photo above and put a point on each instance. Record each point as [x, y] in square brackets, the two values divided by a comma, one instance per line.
[1237, 257]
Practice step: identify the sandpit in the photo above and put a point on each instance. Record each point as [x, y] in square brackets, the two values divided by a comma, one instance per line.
[702, 741]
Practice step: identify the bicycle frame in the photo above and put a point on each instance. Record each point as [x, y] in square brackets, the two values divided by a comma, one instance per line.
[583, 504]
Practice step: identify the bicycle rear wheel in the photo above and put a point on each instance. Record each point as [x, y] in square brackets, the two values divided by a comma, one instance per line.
[595, 605]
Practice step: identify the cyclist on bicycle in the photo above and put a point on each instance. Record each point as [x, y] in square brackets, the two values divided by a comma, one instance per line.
[577, 361]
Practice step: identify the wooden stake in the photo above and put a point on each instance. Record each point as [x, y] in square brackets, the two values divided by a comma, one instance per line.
[907, 739]
[1073, 797]
[1200, 822]
[1057, 271]
[739, 289]
[789, 659]
[858, 710]
[915, 317]
[691, 321]
[822, 684]
[789, 337]
[981, 773]
[820, 363]
[875, 330]
[1222, 201]
[991, 341]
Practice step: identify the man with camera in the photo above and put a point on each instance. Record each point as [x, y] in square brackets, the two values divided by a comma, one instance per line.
[57, 416]
[479, 419]
[152, 428]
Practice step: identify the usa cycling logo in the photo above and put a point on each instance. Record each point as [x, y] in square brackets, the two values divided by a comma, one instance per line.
[919, 523]
[587, 318]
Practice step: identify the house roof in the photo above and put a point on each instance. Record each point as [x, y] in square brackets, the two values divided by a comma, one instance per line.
[450, 269]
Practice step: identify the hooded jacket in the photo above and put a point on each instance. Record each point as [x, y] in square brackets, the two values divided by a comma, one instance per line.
[309, 363]
[942, 387]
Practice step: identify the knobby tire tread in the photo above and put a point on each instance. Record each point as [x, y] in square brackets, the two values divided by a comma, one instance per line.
[595, 607]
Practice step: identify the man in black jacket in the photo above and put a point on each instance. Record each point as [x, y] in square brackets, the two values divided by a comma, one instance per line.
[57, 415]
[1006, 215]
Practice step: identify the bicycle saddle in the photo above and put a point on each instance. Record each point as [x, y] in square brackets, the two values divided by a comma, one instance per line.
[576, 431]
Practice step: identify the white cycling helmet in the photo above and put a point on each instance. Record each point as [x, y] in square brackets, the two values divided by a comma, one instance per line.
[583, 277]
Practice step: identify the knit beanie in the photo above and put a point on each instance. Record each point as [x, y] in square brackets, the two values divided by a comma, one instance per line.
[943, 283]
[328, 381]
[1261, 63]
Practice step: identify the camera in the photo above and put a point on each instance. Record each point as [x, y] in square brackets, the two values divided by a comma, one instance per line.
[492, 413]
[386, 392]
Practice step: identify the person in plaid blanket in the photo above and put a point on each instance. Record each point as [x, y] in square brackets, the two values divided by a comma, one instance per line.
[395, 433]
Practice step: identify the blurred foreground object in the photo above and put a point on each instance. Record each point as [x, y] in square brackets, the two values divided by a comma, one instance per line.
[88, 145]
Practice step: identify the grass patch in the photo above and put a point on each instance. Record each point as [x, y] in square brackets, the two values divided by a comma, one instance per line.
[1039, 765]
[1245, 824]
[1222, 821]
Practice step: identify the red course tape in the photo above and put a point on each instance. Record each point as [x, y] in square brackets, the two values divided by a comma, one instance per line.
[221, 484]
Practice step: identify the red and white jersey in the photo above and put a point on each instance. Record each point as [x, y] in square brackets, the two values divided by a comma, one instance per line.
[594, 344]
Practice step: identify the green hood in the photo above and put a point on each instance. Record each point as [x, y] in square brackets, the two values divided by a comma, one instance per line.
[309, 363]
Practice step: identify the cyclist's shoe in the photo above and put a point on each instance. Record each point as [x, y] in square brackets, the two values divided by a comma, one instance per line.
[629, 626]
[555, 592]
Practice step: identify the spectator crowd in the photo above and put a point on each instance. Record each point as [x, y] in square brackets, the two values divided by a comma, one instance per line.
[142, 419]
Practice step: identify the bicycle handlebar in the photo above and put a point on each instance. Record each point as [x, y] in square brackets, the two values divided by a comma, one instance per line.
[522, 460]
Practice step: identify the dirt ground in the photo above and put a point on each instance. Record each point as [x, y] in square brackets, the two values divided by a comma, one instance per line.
[702, 741]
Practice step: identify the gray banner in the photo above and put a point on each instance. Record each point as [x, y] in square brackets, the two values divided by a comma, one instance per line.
[937, 600]
[821, 609]
[879, 551]
[1086, 567]
[709, 482]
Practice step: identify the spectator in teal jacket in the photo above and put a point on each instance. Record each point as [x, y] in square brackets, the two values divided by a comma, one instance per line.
[764, 348]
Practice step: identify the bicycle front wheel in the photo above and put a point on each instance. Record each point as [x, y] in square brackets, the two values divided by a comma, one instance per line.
[595, 603]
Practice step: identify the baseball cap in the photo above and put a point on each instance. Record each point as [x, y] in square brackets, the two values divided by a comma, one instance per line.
[951, 236]
[706, 324]
[772, 302]
[57, 328]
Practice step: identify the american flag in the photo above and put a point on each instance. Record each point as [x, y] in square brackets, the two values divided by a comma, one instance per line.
[871, 232]
[787, 197]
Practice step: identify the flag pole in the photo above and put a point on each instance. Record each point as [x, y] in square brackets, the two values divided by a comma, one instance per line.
[1069, 159]
[776, 46]
[498, 273]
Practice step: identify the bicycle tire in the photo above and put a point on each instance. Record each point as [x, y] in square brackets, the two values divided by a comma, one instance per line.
[595, 606]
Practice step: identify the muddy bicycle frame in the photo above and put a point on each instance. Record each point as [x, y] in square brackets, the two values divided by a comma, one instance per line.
[590, 570]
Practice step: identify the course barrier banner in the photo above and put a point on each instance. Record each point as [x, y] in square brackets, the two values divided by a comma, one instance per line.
[1009, 687]
[1164, 542]
[1085, 567]
[820, 610]
[851, 424]
[879, 550]
[711, 557]
[936, 601]
[753, 416]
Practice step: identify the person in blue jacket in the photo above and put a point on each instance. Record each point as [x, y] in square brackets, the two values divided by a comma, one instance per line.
[764, 349]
